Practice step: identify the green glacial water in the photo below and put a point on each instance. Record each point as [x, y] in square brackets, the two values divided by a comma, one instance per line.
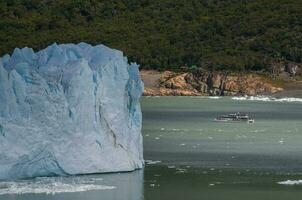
[180, 131]
[201, 159]
[190, 157]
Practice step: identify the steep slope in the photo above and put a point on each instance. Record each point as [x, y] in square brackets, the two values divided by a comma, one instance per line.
[164, 34]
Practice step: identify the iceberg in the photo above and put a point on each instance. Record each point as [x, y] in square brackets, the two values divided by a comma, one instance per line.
[69, 109]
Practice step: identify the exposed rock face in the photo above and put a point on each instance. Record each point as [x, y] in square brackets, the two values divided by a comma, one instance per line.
[219, 83]
[202, 82]
[293, 69]
[69, 109]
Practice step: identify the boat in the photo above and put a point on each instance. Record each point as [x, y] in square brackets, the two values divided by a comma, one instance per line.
[235, 117]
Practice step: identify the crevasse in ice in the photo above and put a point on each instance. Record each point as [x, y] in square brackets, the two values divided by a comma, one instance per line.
[69, 109]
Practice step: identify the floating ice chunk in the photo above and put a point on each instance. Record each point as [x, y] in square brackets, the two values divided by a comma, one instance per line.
[214, 97]
[151, 162]
[281, 141]
[181, 171]
[239, 98]
[51, 186]
[290, 182]
[267, 99]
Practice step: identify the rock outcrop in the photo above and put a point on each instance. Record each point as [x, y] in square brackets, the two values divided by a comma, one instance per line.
[201, 82]
[293, 69]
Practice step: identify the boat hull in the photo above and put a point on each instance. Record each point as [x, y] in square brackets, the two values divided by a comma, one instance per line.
[233, 121]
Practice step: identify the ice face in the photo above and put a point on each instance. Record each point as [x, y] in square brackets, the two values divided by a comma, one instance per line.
[69, 109]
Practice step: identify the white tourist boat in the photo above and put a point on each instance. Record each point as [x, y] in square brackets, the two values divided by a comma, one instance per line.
[234, 117]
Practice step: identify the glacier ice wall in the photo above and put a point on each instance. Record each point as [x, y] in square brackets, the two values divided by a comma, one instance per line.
[69, 109]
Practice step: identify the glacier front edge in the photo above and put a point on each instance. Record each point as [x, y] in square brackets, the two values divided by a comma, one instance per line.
[69, 109]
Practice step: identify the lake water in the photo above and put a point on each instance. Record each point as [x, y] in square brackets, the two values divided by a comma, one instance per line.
[190, 157]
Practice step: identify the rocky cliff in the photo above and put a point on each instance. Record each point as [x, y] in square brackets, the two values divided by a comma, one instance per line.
[202, 82]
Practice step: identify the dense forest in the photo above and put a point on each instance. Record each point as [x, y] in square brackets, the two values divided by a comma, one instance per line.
[163, 34]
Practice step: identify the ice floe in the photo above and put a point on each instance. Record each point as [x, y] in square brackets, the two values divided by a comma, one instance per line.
[290, 182]
[267, 99]
[52, 185]
[214, 97]
[152, 162]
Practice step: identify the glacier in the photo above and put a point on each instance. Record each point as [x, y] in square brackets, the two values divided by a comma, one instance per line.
[69, 109]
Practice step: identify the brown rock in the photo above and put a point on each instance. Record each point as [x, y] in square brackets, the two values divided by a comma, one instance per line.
[202, 82]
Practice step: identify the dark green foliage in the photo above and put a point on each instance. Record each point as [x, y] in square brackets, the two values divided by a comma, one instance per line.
[163, 34]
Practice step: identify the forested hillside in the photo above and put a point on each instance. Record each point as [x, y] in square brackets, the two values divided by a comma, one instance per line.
[163, 34]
